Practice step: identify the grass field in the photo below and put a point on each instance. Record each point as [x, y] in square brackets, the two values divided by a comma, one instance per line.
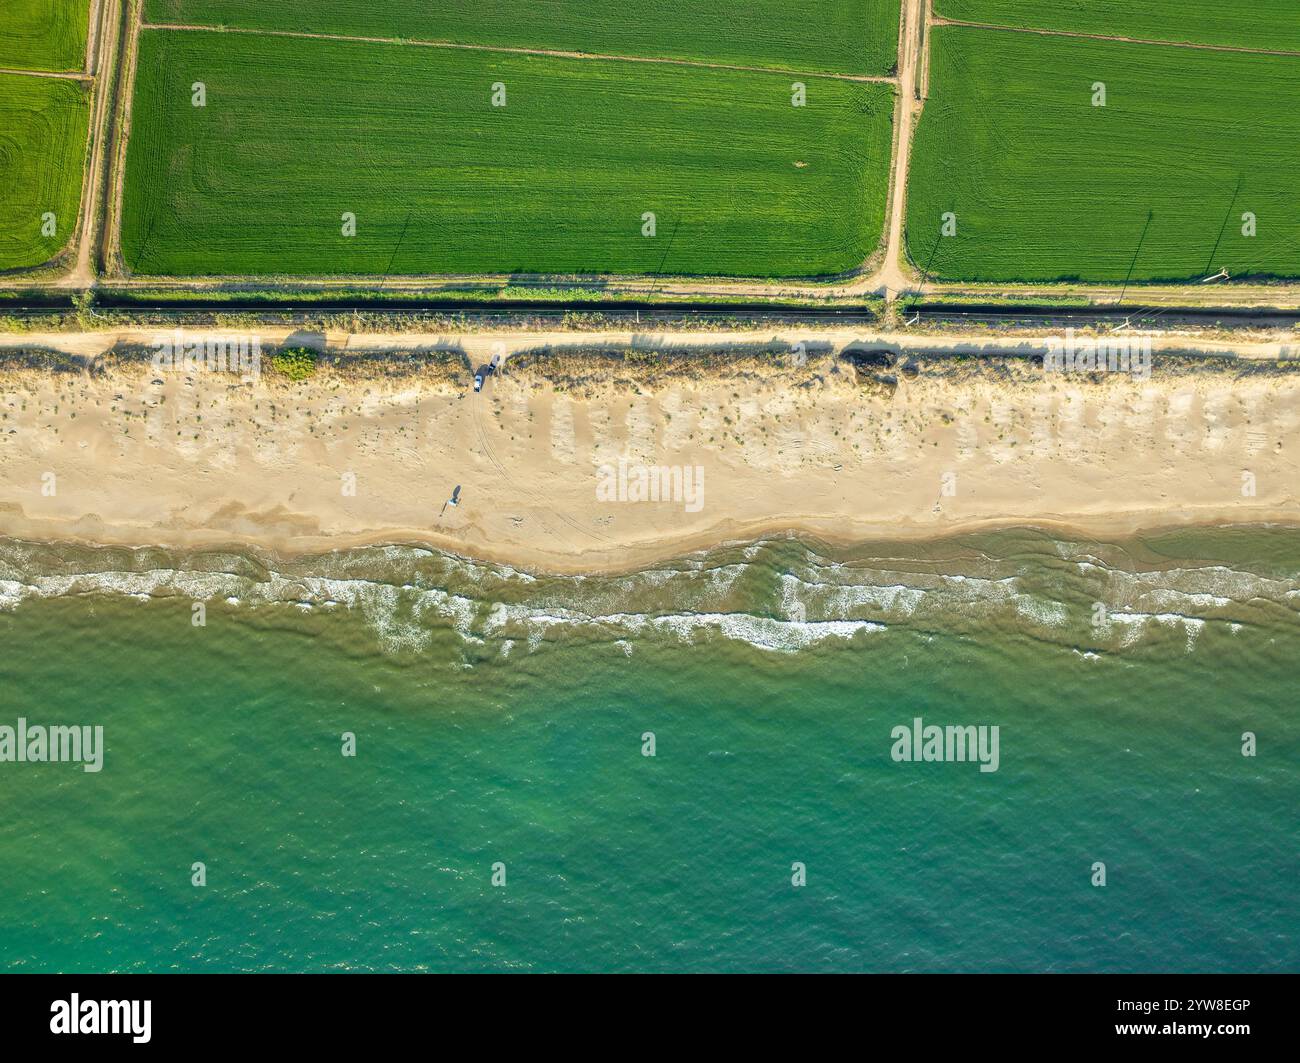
[1269, 24]
[829, 36]
[1046, 187]
[43, 126]
[297, 132]
[43, 34]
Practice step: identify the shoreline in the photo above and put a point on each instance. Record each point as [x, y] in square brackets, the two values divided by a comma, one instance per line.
[1090, 597]
[273, 552]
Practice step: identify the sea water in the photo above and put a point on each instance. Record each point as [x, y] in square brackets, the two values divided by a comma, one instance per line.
[396, 759]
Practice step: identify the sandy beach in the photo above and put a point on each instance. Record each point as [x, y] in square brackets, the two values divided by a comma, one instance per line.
[551, 456]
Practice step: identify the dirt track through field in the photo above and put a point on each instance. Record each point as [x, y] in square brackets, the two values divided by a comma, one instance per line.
[103, 40]
[71, 75]
[504, 50]
[940, 21]
[891, 277]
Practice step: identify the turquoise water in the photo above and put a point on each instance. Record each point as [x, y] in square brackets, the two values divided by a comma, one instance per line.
[499, 718]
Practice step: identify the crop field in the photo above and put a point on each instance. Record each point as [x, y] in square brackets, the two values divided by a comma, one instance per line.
[1265, 24]
[43, 126]
[826, 36]
[43, 34]
[296, 133]
[1162, 182]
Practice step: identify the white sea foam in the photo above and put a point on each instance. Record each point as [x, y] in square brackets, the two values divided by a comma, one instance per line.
[820, 600]
[1041, 611]
[831, 599]
[1134, 624]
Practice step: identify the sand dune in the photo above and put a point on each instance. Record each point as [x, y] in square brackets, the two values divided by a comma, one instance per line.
[123, 455]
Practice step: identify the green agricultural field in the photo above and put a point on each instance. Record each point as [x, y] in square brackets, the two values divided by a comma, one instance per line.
[43, 34]
[1269, 24]
[1045, 186]
[296, 133]
[43, 126]
[827, 36]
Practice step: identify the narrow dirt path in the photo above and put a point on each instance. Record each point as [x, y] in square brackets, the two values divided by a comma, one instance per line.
[940, 21]
[104, 36]
[111, 235]
[68, 75]
[506, 50]
[1271, 348]
[891, 276]
[92, 37]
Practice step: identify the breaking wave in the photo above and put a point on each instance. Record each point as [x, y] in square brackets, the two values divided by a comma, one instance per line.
[779, 595]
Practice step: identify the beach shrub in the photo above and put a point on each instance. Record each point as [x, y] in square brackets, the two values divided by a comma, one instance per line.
[297, 363]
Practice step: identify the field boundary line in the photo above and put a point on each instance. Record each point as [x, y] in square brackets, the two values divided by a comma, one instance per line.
[115, 188]
[939, 20]
[103, 39]
[553, 53]
[64, 75]
[92, 37]
[115, 32]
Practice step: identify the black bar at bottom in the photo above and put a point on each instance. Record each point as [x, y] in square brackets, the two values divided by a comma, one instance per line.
[342, 1011]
